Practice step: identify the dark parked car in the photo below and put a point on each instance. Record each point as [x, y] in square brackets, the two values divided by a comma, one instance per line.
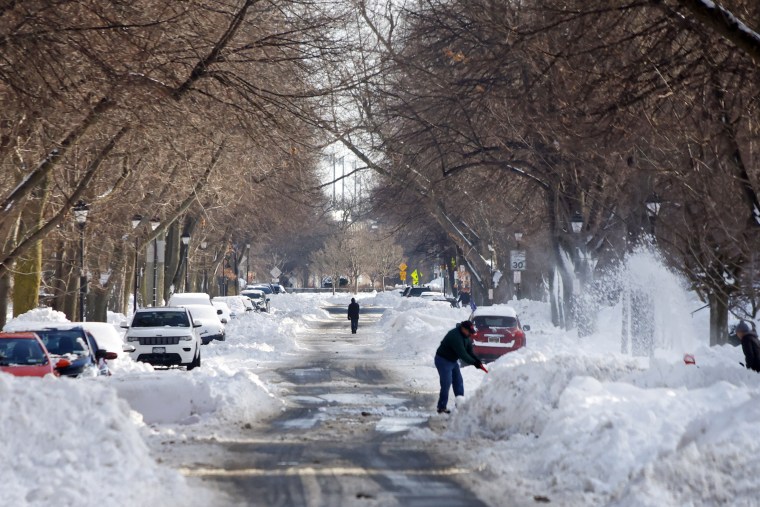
[263, 287]
[414, 292]
[327, 282]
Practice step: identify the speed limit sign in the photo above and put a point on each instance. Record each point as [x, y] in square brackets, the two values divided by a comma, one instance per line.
[517, 260]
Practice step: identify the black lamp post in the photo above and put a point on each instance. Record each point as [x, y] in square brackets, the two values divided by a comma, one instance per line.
[154, 223]
[204, 281]
[518, 278]
[81, 209]
[492, 250]
[135, 223]
[186, 242]
[577, 222]
[247, 264]
[653, 203]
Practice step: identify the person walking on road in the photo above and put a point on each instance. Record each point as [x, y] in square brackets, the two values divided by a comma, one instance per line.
[353, 315]
[464, 298]
[750, 345]
[456, 345]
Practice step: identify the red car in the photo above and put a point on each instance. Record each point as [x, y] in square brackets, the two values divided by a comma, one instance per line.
[24, 355]
[498, 331]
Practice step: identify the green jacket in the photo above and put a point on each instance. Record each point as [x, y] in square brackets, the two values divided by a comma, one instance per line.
[456, 345]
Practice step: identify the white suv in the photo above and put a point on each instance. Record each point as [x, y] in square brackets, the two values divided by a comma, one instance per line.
[165, 336]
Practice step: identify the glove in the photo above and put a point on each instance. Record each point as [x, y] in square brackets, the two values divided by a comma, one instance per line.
[479, 365]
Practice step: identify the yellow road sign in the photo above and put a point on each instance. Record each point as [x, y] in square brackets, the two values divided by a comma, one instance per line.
[402, 267]
[402, 275]
[415, 277]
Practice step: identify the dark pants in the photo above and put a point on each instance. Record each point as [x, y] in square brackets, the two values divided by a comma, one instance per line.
[449, 373]
[354, 325]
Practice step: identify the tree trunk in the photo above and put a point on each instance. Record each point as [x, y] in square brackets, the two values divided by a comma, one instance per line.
[642, 323]
[5, 287]
[128, 286]
[97, 303]
[718, 319]
[69, 298]
[28, 273]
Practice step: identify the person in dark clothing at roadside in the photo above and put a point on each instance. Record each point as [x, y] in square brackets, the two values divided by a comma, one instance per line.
[353, 315]
[455, 345]
[464, 298]
[750, 345]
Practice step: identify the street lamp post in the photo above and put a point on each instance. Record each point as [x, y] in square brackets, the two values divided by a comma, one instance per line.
[653, 204]
[576, 222]
[493, 269]
[135, 223]
[235, 269]
[204, 281]
[81, 209]
[186, 242]
[247, 264]
[518, 280]
[154, 223]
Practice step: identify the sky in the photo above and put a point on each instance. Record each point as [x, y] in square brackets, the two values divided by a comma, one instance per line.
[573, 420]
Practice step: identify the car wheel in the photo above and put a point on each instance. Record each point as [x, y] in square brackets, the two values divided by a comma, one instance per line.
[196, 362]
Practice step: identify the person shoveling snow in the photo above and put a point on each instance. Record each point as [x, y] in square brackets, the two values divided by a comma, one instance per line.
[456, 345]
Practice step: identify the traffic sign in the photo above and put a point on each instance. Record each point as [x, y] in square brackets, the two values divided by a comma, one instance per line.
[517, 260]
[402, 275]
[415, 277]
[275, 272]
[402, 267]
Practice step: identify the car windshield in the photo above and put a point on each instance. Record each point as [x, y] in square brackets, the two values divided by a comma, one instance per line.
[264, 288]
[21, 352]
[253, 295]
[496, 321]
[160, 319]
[64, 341]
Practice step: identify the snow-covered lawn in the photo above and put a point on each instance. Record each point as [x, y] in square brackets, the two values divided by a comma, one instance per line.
[567, 418]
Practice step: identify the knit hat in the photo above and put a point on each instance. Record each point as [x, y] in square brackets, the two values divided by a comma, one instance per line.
[468, 325]
[743, 327]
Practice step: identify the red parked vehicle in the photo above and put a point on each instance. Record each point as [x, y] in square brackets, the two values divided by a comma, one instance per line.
[498, 331]
[24, 355]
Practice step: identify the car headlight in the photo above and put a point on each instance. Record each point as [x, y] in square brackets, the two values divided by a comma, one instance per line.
[186, 338]
[133, 339]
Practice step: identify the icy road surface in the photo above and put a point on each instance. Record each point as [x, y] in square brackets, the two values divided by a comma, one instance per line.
[340, 441]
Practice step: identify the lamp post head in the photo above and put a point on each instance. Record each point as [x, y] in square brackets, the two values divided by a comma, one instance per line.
[185, 239]
[577, 222]
[518, 236]
[653, 203]
[154, 223]
[136, 221]
[81, 210]
[204, 245]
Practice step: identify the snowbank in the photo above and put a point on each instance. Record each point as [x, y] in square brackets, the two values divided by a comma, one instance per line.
[71, 442]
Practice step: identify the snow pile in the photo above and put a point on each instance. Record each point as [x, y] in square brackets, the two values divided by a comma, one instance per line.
[592, 426]
[74, 443]
[416, 326]
[36, 316]
[523, 389]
